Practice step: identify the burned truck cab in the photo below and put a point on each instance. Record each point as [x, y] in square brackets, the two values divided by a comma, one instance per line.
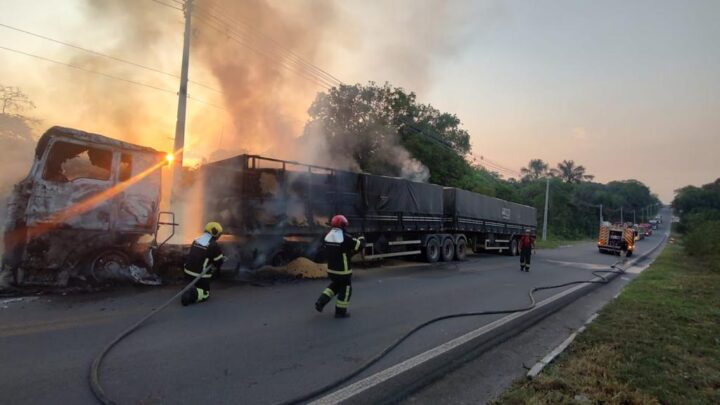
[85, 204]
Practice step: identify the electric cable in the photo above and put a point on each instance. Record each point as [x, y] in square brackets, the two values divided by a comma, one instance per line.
[103, 55]
[108, 76]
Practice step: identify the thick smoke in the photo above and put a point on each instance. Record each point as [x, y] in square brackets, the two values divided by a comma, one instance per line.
[265, 88]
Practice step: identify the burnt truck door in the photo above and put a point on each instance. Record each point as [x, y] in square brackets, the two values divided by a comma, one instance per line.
[139, 202]
[65, 193]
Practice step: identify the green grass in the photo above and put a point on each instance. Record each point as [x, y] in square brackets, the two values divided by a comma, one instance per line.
[657, 343]
[552, 243]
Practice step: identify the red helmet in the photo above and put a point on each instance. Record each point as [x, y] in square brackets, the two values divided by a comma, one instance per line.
[339, 221]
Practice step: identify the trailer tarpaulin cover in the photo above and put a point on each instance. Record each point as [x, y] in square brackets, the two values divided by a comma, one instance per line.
[466, 204]
[391, 195]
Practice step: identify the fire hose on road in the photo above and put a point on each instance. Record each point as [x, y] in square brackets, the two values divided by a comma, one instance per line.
[601, 277]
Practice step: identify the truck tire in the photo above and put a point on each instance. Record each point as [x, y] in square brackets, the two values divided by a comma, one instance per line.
[514, 247]
[432, 250]
[447, 253]
[461, 250]
[107, 262]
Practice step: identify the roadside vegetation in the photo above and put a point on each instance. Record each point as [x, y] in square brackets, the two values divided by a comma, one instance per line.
[658, 342]
[385, 130]
[699, 212]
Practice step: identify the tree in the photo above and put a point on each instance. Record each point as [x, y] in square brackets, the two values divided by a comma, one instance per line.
[569, 173]
[384, 130]
[14, 101]
[536, 169]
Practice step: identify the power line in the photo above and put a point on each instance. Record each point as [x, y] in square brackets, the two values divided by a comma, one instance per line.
[295, 57]
[96, 53]
[276, 58]
[108, 76]
[310, 71]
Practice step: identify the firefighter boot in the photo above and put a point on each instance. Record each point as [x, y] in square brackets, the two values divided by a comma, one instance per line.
[324, 298]
[341, 313]
[189, 297]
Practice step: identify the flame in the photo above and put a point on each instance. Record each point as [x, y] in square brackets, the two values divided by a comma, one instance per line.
[56, 219]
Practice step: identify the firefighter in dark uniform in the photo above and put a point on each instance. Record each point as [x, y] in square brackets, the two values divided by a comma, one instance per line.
[340, 247]
[204, 253]
[527, 244]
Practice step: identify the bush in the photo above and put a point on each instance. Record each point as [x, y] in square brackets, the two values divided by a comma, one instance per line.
[703, 239]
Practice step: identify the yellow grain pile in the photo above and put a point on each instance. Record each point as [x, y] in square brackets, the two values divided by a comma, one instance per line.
[305, 268]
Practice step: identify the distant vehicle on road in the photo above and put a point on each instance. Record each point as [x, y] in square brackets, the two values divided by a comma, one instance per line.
[616, 239]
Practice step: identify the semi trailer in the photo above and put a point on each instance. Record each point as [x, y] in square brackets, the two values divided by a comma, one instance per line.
[275, 210]
[90, 207]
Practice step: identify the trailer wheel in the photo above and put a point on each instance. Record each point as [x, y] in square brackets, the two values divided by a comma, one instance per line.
[514, 247]
[448, 250]
[432, 251]
[108, 262]
[460, 250]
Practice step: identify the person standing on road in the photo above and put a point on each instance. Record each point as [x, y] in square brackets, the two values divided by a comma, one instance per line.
[204, 253]
[527, 244]
[340, 248]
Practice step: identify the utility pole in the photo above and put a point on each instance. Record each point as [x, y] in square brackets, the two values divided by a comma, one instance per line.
[601, 217]
[179, 145]
[622, 219]
[634, 219]
[547, 196]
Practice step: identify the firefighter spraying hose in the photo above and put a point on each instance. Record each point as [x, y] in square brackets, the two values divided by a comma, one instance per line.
[601, 277]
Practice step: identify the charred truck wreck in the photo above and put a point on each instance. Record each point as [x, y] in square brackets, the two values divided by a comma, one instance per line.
[82, 211]
[274, 211]
[90, 207]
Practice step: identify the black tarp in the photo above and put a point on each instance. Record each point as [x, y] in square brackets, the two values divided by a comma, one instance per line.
[466, 204]
[390, 195]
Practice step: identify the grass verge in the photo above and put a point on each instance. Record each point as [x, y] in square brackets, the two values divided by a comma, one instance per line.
[658, 342]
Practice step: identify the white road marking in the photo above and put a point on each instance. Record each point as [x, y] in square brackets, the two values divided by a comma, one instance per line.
[385, 375]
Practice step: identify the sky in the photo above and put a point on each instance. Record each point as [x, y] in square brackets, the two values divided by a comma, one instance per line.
[629, 89]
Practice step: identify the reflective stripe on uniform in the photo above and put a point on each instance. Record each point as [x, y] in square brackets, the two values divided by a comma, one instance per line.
[330, 293]
[192, 273]
[344, 303]
[357, 244]
[340, 272]
[220, 256]
[345, 262]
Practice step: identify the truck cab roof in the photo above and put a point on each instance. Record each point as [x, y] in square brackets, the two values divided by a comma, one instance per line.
[78, 135]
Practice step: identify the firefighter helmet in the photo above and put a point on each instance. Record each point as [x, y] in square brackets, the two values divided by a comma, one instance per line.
[214, 229]
[339, 221]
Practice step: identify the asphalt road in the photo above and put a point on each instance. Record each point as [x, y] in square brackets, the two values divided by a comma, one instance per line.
[258, 345]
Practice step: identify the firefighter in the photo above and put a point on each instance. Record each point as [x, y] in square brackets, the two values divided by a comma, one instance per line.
[204, 253]
[340, 247]
[527, 244]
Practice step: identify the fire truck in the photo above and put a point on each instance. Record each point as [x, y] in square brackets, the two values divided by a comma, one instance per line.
[616, 239]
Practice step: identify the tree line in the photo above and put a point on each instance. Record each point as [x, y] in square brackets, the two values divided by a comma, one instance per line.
[699, 211]
[362, 122]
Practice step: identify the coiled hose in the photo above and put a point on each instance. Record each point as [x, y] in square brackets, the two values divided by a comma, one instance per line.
[97, 362]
